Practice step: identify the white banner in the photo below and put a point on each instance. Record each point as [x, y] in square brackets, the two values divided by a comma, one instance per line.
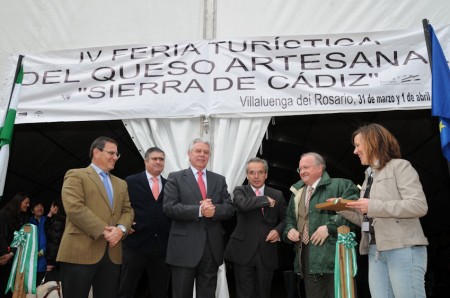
[282, 75]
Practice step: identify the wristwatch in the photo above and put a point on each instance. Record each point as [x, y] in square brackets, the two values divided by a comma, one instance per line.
[124, 230]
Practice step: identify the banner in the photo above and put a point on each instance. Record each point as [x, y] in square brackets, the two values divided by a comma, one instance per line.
[239, 77]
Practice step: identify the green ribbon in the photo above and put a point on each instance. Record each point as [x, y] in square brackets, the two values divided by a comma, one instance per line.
[348, 241]
[27, 246]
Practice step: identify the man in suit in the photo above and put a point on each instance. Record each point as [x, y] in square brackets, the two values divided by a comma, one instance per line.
[197, 201]
[145, 248]
[261, 212]
[99, 214]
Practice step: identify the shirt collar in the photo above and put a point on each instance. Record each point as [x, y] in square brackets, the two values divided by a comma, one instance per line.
[261, 189]
[97, 169]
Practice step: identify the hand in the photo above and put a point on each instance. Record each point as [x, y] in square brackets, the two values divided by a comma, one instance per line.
[207, 208]
[271, 202]
[319, 236]
[273, 236]
[113, 235]
[6, 258]
[293, 235]
[361, 205]
[50, 267]
[131, 229]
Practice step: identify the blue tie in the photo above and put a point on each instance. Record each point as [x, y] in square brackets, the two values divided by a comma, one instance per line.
[107, 187]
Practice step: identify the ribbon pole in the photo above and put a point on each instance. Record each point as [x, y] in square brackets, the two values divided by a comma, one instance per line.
[345, 266]
[22, 278]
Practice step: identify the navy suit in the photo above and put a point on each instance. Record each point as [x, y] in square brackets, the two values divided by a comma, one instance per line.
[255, 258]
[196, 243]
[146, 247]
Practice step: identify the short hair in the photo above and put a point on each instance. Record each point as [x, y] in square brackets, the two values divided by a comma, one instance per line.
[318, 159]
[260, 160]
[99, 143]
[35, 203]
[151, 150]
[198, 140]
[379, 142]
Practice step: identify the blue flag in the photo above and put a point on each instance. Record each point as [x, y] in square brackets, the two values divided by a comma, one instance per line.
[440, 100]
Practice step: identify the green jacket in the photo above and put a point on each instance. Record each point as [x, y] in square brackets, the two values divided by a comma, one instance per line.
[321, 258]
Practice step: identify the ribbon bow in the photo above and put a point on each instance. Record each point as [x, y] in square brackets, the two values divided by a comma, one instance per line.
[348, 241]
[19, 239]
[27, 245]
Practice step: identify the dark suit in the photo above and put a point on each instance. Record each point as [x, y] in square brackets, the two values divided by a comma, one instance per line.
[254, 257]
[85, 254]
[145, 249]
[195, 248]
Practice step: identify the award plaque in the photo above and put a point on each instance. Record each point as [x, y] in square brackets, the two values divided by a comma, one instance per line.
[336, 205]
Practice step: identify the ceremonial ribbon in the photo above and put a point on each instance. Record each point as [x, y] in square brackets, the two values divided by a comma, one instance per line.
[348, 241]
[27, 245]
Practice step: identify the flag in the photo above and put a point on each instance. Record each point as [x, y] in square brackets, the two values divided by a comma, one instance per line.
[7, 127]
[440, 100]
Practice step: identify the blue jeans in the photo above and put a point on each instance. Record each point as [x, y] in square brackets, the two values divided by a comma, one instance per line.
[397, 273]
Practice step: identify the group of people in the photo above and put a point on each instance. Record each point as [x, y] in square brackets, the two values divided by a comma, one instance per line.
[172, 229]
[49, 230]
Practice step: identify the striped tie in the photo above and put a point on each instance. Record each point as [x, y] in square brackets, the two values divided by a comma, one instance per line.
[305, 235]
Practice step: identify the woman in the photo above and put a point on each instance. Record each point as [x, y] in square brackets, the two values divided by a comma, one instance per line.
[392, 201]
[12, 217]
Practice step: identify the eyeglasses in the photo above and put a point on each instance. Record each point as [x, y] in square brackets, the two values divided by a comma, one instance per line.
[112, 153]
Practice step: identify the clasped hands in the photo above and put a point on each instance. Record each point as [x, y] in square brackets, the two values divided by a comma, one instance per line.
[317, 238]
[113, 235]
[207, 208]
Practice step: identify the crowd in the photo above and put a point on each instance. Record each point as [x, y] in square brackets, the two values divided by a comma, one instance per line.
[106, 232]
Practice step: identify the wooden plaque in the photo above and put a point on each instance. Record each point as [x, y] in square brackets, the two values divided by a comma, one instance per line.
[336, 205]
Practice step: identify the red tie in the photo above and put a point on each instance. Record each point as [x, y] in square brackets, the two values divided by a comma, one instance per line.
[305, 235]
[201, 184]
[155, 188]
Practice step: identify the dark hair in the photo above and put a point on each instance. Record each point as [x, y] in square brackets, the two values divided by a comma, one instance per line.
[151, 150]
[14, 216]
[59, 204]
[99, 143]
[380, 144]
[35, 203]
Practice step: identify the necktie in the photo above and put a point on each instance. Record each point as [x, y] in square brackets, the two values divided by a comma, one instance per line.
[155, 188]
[258, 193]
[201, 185]
[305, 235]
[368, 186]
[107, 187]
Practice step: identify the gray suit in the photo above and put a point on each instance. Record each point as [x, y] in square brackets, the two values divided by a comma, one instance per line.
[192, 237]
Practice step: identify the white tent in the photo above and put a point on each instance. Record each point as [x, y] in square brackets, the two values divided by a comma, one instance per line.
[30, 26]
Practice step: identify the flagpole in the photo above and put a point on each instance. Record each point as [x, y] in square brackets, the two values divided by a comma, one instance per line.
[19, 64]
[426, 32]
[7, 123]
